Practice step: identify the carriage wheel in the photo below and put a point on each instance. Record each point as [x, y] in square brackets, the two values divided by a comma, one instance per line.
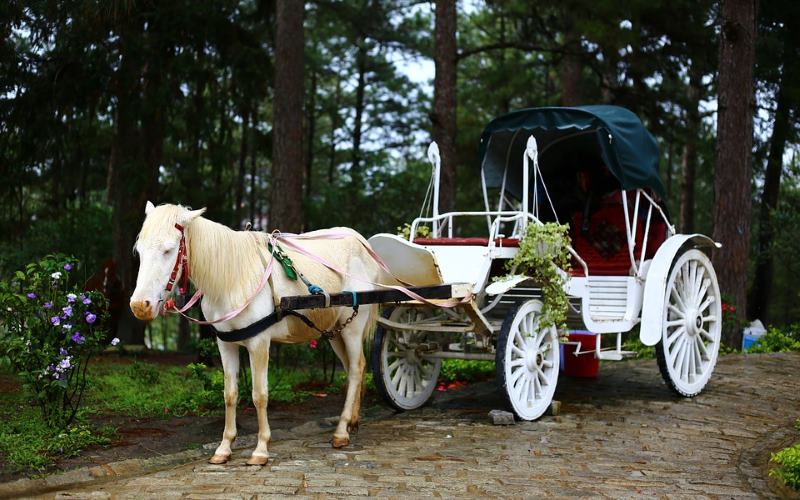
[690, 335]
[527, 361]
[402, 376]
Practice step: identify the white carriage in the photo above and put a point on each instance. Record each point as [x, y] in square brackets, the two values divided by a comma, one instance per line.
[595, 168]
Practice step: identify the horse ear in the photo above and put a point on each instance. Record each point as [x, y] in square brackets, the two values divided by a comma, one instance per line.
[149, 208]
[190, 215]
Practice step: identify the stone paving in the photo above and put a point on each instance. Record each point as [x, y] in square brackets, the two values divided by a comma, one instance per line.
[619, 436]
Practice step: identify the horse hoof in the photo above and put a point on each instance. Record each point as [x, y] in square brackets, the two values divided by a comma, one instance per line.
[340, 442]
[257, 460]
[218, 459]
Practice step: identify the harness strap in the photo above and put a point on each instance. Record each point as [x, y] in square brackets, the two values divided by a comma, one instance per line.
[277, 316]
[259, 326]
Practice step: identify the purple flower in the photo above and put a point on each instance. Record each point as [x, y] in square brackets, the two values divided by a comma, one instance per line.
[78, 338]
[31, 295]
[86, 301]
[65, 364]
[114, 341]
[90, 318]
[68, 267]
[55, 320]
[71, 297]
[67, 311]
[48, 305]
[66, 326]
[62, 351]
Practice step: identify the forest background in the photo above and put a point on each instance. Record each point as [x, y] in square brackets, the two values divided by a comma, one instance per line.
[302, 115]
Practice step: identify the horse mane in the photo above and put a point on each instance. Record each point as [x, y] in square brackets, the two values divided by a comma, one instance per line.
[222, 262]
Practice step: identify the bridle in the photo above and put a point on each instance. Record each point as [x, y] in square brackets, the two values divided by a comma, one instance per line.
[181, 265]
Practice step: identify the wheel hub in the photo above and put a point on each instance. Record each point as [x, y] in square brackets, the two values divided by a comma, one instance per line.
[532, 358]
[694, 322]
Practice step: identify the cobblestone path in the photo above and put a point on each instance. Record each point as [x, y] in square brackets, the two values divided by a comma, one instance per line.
[622, 435]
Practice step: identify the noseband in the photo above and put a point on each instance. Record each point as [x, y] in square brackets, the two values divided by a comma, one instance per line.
[181, 263]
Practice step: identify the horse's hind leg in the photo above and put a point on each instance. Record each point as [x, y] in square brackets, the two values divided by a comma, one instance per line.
[230, 367]
[352, 337]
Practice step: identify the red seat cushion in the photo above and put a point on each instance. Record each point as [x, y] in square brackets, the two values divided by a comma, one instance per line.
[605, 246]
[467, 242]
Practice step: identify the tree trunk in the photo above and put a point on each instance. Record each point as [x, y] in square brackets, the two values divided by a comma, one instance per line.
[356, 180]
[286, 210]
[128, 182]
[240, 175]
[311, 119]
[732, 197]
[334, 116]
[571, 71]
[689, 160]
[444, 100]
[762, 280]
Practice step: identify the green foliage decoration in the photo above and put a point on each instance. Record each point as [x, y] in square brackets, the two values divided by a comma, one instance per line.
[50, 331]
[405, 231]
[543, 256]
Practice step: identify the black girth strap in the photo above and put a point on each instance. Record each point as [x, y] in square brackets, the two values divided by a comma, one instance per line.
[259, 326]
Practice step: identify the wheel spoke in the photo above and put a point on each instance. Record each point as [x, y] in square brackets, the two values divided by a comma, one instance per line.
[707, 335]
[703, 289]
[676, 311]
[516, 375]
[517, 362]
[675, 336]
[702, 348]
[677, 352]
[394, 364]
[675, 295]
[536, 389]
[675, 322]
[684, 371]
[705, 304]
[691, 365]
[707, 319]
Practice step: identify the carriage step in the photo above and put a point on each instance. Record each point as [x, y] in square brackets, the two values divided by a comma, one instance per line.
[615, 355]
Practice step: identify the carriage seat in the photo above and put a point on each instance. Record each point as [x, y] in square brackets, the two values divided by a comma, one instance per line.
[467, 242]
[605, 246]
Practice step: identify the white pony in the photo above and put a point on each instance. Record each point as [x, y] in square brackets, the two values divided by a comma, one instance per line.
[228, 266]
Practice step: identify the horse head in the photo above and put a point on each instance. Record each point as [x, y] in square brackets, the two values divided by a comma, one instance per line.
[161, 248]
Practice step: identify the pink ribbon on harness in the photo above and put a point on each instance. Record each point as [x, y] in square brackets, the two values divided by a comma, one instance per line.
[286, 239]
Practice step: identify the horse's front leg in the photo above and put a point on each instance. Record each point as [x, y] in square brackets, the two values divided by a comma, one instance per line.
[259, 367]
[229, 352]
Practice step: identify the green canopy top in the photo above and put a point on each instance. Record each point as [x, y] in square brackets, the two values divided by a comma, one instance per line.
[571, 138]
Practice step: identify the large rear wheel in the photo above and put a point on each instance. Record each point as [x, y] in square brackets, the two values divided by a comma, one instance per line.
[401, 372]
[690, 335]
[527, 361]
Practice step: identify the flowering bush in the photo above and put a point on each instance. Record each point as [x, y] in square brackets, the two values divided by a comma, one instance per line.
[50, 331]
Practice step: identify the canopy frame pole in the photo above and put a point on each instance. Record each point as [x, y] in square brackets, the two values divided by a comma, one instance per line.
[436, 163]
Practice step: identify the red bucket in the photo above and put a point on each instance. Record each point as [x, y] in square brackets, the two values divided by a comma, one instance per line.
[584, 365]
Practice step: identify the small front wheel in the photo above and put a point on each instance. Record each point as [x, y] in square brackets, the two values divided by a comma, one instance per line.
[401, 372]
[527, 361]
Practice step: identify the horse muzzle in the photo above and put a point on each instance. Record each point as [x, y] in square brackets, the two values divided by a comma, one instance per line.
[144, 310]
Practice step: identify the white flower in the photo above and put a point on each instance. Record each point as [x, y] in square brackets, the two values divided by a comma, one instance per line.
[625, 24]
[56, 275]
[114, 341]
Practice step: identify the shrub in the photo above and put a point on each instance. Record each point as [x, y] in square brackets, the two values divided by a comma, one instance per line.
[779, 340]
[789, 461]
[50, 332]
[466, 370]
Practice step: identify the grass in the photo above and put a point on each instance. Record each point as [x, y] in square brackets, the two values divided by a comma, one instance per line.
[29, 445]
